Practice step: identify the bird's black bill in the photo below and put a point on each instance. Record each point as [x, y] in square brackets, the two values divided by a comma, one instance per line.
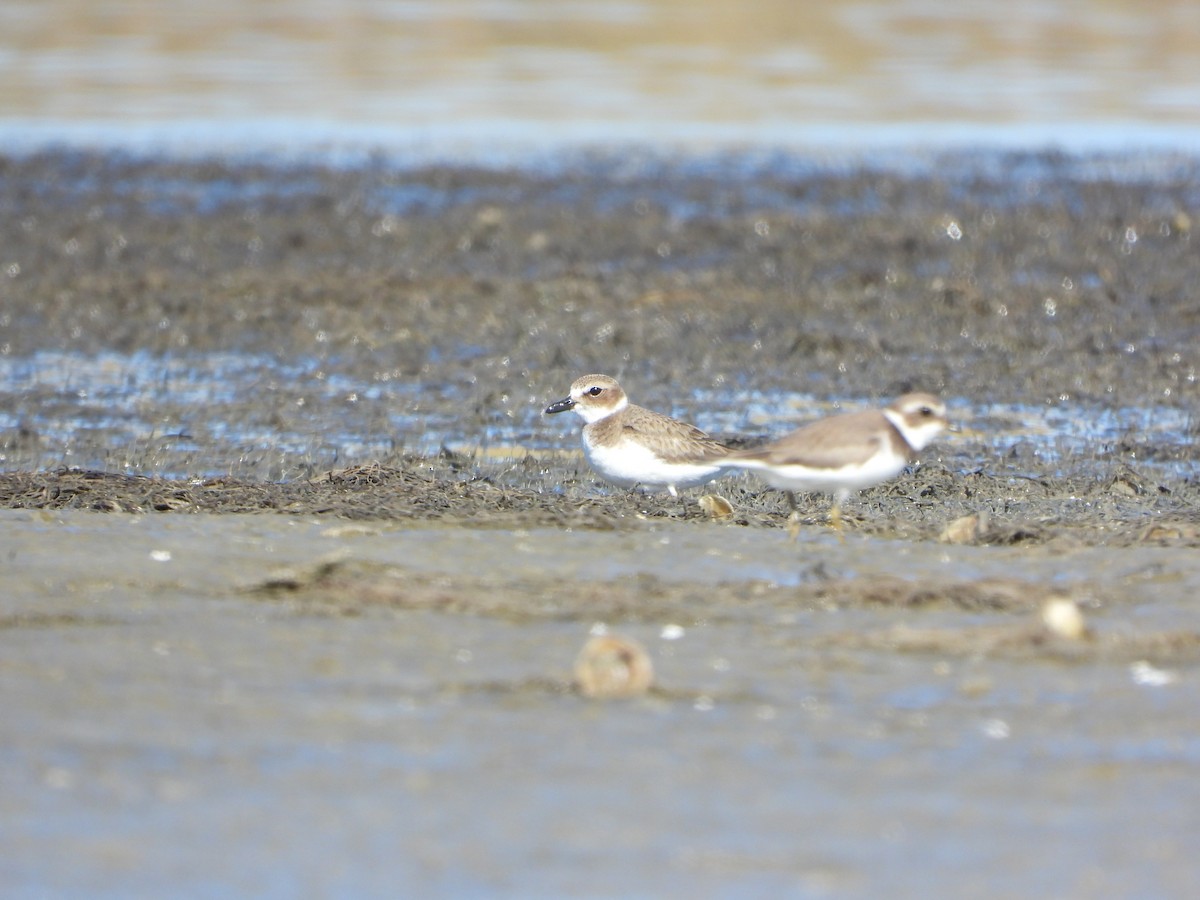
[560, 406]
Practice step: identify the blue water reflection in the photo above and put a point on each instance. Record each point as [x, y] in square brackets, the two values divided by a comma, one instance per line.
[128, 408]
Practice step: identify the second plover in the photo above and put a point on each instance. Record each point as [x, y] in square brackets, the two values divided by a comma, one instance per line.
[632, 446]
[845, 453]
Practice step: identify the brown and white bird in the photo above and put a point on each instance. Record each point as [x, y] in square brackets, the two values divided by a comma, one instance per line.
[845, 453]
[632, 446]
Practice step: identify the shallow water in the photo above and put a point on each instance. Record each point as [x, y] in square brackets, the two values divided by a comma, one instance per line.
[183, 416]
[481, 76]
[159, 718]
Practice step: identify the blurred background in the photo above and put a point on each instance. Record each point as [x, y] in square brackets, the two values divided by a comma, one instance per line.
[452, 73]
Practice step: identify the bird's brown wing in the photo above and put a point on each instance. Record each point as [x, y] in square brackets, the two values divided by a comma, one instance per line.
[673, 440]
[830, 443]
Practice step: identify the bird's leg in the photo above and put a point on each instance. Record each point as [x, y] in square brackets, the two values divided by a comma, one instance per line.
[835, 515]
[682, 502]
[794, 517]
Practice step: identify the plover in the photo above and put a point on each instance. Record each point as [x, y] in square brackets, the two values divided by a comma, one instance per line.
[844, 453]
[632, 446]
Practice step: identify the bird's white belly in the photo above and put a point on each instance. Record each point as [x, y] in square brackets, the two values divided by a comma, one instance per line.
[629, 464]
[876, 470]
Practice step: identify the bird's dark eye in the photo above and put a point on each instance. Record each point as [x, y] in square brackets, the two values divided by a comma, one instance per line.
[926, 411]
[596, 391]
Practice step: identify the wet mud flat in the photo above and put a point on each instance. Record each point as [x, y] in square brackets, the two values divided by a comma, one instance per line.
[221, 702]
[353, 677]
[1037, 278]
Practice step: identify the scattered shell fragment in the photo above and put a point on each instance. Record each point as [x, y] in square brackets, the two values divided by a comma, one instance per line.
[1126, 486]
[1175, 531]
[351, 530]
[716, 506]
[609, 666]
[976, 686]
[1148, 675]
[964, 530]
[1063, 618]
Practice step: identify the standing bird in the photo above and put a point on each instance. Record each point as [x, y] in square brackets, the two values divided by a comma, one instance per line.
[632, 446]
[844, 453]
